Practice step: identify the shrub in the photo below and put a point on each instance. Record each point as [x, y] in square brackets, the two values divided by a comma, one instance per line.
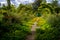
[49, 30]
[12, 31]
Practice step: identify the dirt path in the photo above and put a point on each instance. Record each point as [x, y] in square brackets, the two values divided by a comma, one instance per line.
[33, 30]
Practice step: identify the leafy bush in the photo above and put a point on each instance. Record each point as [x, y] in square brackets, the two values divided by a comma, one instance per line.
[49, 30]
[12, 30]
[52, 34]
[54, 20]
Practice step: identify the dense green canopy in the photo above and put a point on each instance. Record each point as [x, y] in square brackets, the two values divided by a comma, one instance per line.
[16, 22]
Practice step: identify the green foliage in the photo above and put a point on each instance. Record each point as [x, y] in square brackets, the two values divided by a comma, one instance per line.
[47, 8]
[52, 34]
[49, 30]
[16, 22]
[53, 20]
[13, 31]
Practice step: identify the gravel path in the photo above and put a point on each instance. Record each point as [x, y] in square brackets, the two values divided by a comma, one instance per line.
[33, 30]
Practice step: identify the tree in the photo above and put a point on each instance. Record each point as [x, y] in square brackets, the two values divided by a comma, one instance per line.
[36, 4]
[46, 7]
[0, 4]
[8, 2]
[55, 3]
[56, 6]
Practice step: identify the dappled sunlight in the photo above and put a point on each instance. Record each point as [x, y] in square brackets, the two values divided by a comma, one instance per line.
[33, 21]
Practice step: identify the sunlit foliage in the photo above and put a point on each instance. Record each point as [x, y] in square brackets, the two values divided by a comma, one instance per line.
[16, 22]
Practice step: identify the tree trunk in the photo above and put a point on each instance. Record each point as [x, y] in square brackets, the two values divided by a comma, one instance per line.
[8, 2]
